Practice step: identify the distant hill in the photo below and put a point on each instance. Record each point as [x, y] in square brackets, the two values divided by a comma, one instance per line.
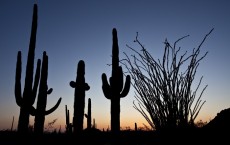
[221, 121]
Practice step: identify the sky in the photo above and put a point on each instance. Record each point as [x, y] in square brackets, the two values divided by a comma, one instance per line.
[74, 30]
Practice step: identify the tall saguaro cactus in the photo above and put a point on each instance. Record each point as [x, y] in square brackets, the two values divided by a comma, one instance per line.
[79, 97]
[26, 100]
[114, 91]
[41, 111]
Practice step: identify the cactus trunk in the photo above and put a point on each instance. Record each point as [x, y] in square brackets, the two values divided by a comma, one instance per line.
[135, 126]
[115, 114]
[79, 97]
[23, 121]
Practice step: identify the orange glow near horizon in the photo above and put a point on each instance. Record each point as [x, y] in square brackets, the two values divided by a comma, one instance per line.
[126, 123]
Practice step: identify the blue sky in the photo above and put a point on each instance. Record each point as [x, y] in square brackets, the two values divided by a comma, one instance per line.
[73, 30]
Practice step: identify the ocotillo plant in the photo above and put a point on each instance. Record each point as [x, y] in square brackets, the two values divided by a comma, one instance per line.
[26, 100]
[68, 124]
[41, 111]
[79, 97]
[114, 91]
[88, 116]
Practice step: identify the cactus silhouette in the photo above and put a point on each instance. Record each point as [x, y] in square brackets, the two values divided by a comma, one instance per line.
[135, 126]
[79, 97]
[114, 91]
[27, 99]
[94, 124]
[40, 112]
[12, 125]
[88, 116]
[68, 124]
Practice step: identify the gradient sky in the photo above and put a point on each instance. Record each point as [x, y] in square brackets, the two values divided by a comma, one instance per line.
[73, 30]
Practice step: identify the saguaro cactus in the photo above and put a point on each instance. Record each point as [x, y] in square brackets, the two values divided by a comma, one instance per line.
[12, 125]
[41, 111]
[114, 91]
[88, 116]
[26, 100]
[135, 126]
[68, 124]
[79, 97]
[94, 124]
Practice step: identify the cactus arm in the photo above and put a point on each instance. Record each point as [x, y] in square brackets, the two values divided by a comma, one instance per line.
[126, 87]
[106, 87]
[72, 84]
[30, 60]
[36, 81]
[17, 91]
[53, 108]
[49, 91]
[87, 87]
[32, 111]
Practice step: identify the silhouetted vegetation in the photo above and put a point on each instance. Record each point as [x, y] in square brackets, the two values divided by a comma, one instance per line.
[12, 125]
[40, 112]
[30, 90]
[114, 91]
[164, 96]
[135, 126]
[220, 122]
[68, 125]
[27, 99]
[163, 89]
[88, 115]
[79, 97]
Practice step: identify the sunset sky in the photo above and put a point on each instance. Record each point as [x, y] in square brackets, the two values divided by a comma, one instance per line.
[73, 30]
